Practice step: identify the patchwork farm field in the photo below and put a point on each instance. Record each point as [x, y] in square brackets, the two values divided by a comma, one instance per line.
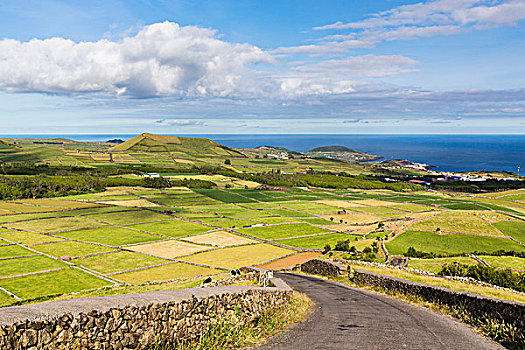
[129, 236]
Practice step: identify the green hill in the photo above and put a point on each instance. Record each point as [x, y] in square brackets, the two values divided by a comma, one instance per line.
[334, 149]
[4, 144]
[160, 143]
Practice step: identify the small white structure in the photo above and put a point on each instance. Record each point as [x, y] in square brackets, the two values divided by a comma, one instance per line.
[151, 175]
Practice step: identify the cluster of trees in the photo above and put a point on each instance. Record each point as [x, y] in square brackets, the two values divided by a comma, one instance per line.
[368, 254]
[414, 253]
[315, 179]
[18, 187]
[503, 278]
[43, 186]
[492, 185]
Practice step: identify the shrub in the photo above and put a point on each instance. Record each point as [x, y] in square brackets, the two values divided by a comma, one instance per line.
[503, 278]
[343, 246]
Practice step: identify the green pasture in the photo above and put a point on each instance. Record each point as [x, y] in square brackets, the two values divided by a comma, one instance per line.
[505, 262]
[109, 235]
[449, 243]
[55, 224]
[455, 223]
[172, 228]
[70, 248]
[131, 217]
[119, 261]
[225, 196]
[164, 273]
[29, 264]
[515, 230]
[9, 251]
[318, 242]
[435, 265]
[51, 283]
[28, 238]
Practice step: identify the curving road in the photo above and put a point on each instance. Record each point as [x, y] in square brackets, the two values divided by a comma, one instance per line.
[350, 318]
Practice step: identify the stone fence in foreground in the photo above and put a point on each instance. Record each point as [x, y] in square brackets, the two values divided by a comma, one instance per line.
[477, 306]
[133, 321]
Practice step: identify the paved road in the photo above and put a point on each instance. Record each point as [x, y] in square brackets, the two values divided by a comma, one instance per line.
[350, 318]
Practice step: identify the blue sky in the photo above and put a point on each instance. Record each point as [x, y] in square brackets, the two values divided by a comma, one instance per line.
[442, 66]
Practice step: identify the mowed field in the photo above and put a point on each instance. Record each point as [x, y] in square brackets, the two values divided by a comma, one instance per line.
[132, 236]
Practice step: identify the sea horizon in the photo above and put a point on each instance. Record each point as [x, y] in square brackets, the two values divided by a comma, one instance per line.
[445, 152]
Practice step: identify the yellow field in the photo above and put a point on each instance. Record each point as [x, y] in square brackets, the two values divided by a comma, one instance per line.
[374, 202]
[339, 203]
[140, 203]
[168, 249]
[236, 257]
[351, 218]
[184, 161]
[164, 273]
[219, 239]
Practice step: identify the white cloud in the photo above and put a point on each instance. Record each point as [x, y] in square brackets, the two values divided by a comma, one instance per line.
[420, 20]
[161, 59]
[365, 66]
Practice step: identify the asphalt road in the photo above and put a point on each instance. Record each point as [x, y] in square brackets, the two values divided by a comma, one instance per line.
[350, 318]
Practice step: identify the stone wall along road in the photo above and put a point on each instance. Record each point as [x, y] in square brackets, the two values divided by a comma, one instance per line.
[351, 318]
[133, 320]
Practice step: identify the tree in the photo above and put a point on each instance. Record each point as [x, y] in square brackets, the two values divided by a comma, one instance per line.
[343, 246]
[327, 248]
[227, 162]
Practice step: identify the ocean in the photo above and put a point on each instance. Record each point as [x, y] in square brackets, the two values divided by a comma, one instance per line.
[444, 152]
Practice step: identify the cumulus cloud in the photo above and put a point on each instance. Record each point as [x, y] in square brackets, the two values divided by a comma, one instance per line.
[161, 59]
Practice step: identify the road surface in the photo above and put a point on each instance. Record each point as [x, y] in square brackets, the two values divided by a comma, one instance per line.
[350, 318]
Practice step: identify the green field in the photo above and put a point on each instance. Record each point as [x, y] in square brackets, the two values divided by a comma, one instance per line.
[505, 262]
[172, 228]
[13, 250]
[165, 273]
[449, 243]
[28, 238]
[91, 236]
[55, 224]
[131, 217]
[109, 235]
[515, 230]
[119, 261]
[26, 265]
[454, 223]
[435, 265]
[70, 248]
[5, 299]
[225, 196]
[318, 242]
[51, 283]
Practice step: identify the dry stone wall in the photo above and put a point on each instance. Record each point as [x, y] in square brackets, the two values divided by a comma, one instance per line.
[133, 321]
[477, 306]
[323, 267]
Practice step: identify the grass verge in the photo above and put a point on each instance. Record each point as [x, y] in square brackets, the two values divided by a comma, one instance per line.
[235, 333]
[506, 334]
